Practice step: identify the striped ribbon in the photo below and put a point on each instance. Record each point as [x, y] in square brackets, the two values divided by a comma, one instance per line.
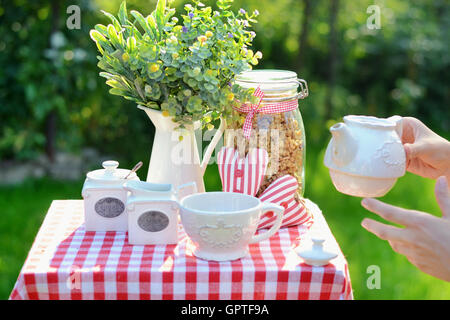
[252, 109]
[245, 175]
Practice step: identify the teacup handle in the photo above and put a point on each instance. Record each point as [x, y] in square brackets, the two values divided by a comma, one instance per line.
[279, 210]
[193, 185]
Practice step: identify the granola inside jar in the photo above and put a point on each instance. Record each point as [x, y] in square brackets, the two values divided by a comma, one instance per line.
[276, 125]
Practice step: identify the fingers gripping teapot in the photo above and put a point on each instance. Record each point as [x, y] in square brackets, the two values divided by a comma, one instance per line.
[365, 155]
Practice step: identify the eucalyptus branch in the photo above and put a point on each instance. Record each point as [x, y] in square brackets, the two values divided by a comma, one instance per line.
[172, 64]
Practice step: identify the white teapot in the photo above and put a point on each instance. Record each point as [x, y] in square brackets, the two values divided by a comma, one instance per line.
[365, 155]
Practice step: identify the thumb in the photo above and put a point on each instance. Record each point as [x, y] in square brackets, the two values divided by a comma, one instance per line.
[414, 150]
[443, 196]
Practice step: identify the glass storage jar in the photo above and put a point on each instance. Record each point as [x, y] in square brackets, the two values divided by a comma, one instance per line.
[282, 133]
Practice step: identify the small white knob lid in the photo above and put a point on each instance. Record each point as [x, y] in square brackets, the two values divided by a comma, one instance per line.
[318, 243]
[110, 166]
[316, 255]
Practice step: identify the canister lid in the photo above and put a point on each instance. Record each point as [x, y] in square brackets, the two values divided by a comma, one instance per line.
[276, 84]
[110, 173]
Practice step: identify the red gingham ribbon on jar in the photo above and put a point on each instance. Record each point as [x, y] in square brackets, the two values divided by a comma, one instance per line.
[252, 109]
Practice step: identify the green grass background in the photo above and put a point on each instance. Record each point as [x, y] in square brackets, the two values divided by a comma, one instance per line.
[24, 208]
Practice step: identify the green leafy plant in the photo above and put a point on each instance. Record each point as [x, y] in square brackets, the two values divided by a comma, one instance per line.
[185, 69]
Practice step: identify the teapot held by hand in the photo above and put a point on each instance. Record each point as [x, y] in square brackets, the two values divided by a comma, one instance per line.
[365, 155]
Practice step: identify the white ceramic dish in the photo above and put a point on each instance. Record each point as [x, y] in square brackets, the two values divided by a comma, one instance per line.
[223, 224]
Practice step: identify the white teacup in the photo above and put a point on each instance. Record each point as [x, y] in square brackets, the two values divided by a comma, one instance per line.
[223, 224]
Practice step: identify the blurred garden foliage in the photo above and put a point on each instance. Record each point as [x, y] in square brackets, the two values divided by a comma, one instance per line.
[51, 96]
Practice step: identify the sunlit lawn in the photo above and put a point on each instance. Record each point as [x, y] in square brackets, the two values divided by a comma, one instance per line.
[24, 208]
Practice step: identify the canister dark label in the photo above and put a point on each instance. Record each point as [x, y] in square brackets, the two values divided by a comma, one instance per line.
[109, 207]
[153, 221]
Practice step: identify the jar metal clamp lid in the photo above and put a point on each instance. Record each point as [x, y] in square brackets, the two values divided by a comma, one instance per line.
[277, 85]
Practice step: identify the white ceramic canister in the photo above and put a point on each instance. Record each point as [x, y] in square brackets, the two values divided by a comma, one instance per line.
[152, 210]
[105, 198]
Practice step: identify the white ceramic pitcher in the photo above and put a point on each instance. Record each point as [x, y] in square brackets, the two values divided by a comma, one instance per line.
[173, 161]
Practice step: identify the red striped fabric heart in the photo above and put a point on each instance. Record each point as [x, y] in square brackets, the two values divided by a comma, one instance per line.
[282, 192]
[245, 175]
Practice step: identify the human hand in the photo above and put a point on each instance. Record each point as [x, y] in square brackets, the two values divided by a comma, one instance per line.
[427, 154]
[425, 239]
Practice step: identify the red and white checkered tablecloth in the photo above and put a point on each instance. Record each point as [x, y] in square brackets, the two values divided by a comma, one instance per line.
[66, 262]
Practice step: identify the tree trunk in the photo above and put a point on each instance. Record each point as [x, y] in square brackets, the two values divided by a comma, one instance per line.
[50, 122]
[332, 58]
[307, 9]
